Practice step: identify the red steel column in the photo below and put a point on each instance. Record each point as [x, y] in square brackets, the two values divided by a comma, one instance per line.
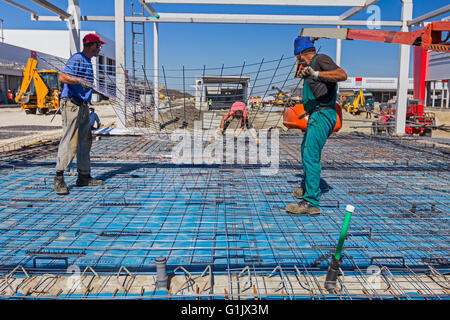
[420, 71]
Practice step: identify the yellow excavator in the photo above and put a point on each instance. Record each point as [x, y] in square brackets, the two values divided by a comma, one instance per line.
[280, 97]
[40, 89]
[355, 104]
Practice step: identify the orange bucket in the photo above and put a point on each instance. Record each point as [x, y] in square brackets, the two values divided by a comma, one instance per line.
[297, 118]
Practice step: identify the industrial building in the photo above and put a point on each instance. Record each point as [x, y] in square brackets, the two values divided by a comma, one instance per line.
[19, 45]
[437, 73]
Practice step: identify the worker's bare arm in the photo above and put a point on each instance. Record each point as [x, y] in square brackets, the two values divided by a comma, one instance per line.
[68, 79]
[333, 75]
[222, 123]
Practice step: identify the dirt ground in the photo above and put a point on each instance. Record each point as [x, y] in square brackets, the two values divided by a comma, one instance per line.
[18, 128]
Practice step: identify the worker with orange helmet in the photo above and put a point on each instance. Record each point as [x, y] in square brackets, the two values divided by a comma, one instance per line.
[320, 75]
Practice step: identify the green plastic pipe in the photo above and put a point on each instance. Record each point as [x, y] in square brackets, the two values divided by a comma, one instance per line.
[348, 214]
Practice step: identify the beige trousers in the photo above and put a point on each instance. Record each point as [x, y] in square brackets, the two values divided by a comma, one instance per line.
[76, 138]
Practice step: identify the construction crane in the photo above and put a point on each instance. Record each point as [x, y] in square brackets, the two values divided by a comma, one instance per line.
[429, 38]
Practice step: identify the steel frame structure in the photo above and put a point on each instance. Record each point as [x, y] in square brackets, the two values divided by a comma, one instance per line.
[119, 19]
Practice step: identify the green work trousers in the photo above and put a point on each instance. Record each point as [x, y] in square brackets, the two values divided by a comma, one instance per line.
[320, 127]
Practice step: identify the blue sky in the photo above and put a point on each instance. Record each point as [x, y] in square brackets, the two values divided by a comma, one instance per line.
[196, 45]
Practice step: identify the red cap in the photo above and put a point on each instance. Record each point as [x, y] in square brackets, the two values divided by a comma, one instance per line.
[92, 37]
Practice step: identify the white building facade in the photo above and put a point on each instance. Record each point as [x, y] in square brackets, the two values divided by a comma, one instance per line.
[437, 80]
[51, 47]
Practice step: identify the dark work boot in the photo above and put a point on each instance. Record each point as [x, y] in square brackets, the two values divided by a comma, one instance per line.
[303, 208]
[59, 185]
[87, 180]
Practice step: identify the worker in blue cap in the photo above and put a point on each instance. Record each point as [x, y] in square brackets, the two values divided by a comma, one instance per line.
[320, 75]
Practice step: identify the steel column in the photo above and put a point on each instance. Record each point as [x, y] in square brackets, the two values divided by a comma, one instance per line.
[338, 50]
[155, 67]
[403, 71]
[119, 9]
[74, 26]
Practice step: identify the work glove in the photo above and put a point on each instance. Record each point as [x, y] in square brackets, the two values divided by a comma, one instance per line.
[309, 72]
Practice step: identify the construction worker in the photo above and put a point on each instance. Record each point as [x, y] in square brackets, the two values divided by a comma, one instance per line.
[10, 97]
[320, 76]
[237, 111]
[77, 78]
[369, 109]
[93, 117]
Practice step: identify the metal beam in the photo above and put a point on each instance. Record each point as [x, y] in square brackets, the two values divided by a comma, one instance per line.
[403, 71]
[299, 3]
[429, 15]
[74, 26]
[34, 14]
[328, 33]
[355, 10]
[119, 26]
[237, 19]
[148, 8]
[338, 49]
[47, 5]
[156, 69]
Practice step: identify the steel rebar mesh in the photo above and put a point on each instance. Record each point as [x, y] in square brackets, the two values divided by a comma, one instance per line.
[231, 217]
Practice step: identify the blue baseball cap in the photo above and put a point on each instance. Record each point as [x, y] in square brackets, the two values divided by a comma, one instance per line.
[302, 43]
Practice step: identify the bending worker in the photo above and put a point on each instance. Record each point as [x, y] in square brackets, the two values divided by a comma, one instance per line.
[237, 111]
[76, 139]
[320, 76]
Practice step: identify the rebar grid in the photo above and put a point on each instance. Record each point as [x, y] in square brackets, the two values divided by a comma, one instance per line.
[232, 218]
[184, 97]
